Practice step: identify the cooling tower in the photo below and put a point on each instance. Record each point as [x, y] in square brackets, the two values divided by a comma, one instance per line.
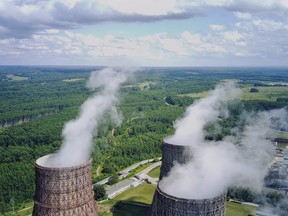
[63, 191]
[171, 154]
[167, 205]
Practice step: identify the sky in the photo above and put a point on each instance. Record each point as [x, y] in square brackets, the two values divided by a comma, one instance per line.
[144, 32]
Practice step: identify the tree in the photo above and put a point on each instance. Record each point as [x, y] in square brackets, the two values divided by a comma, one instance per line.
[99, 192]
[253, 90]
[113, 179]
[170, 100]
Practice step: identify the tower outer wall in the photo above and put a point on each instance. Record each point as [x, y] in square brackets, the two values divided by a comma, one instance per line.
[167, 205]
[170, 154]
[64, 191]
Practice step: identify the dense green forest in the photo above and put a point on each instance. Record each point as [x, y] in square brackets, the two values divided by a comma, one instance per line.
[37, 101]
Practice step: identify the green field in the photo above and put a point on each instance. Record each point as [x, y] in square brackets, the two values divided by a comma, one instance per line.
[26, 209]
[270, 93]
[154, 173]
[73, 80]
[112, 208]
[235, 209]
[144, 194]
[142, 85]
[141, 194]
[267, 93]
[16, 78]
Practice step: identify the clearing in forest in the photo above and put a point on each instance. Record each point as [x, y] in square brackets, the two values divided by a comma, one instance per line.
[16, 78]
[73, 79]
[268, 93]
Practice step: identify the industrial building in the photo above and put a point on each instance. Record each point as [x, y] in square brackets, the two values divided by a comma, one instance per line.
[63, 191]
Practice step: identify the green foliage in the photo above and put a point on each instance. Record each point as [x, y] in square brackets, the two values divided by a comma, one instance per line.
[113, 179]
[170, 100]
[274, 198]
[99, 192]
[241, 194]
[254, 90]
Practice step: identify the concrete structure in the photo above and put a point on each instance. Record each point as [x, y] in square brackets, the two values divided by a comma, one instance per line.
[167, 205]
[63, 191]
[170, 154]
[285, 156]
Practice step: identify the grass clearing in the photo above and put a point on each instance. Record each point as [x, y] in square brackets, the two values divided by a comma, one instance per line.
[146, 85]
[143, 85]
[139, 169]
[268, 93]
[236, 209]
[73, 80]
[115, 208]
[154, 173]
[196, 95]
[17, 78]
[26, 209]
[141, 194]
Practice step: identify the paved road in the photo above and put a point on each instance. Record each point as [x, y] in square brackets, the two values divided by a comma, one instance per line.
[121, 186]
[126, 171]
[144, 174]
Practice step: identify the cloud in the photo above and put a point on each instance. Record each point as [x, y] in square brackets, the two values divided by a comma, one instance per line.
[233, 36]
[242, 15]
[21, 19]
[269, 25]
[216, 27]
[27, 26]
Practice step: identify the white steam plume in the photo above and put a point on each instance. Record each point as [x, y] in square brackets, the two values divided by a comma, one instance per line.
[217, 165]
[78, 134]
[189, 130]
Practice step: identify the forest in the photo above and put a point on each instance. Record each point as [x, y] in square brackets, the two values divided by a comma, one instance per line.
[37, 101]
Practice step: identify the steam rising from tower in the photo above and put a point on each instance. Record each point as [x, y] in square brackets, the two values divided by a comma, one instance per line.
[241, 160]
[78, 133]
[196, 173]
[63, 180]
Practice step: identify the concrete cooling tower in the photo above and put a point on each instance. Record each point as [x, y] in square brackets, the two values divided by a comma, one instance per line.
[63, 191]
[171, 154]
[167, 205]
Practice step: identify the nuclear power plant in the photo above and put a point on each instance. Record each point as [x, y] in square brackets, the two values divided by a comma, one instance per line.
[167, 205]
[63, 191]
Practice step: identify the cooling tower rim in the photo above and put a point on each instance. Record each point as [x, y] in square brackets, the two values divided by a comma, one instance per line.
[40, 161]
[165, 142]
[220, 196]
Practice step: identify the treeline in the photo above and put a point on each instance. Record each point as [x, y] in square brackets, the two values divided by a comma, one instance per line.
[273, 199]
